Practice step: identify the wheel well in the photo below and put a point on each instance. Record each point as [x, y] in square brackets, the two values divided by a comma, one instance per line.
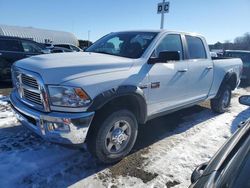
[232, 81]
[229, 79]
[129, 102]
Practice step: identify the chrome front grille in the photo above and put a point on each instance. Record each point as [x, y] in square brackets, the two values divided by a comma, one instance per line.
[32, 96]
[30, 88]
[29, 81]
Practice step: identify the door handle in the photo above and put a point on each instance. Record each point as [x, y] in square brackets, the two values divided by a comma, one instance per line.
[183, 70]
[209, 67]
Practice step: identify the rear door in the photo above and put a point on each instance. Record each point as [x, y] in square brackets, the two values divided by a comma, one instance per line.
[168, 81]
[10, 51]
[200, 68]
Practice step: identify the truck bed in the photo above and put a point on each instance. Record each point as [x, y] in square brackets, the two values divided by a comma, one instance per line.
[223, 65]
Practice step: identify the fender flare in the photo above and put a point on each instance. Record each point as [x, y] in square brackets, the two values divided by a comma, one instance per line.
[225, 80]
[122, 91]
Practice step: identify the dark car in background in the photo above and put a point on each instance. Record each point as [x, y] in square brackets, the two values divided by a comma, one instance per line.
[15, 48]
[69, 46]
[245, 57]
[230, 167]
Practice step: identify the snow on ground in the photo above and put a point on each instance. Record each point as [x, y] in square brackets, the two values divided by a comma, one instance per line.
[167, 151]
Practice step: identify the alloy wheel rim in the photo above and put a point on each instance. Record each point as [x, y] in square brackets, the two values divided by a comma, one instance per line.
[118, 136]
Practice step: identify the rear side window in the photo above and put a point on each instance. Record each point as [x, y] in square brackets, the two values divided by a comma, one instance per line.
[30, 47]
[196, 49]
[10, 45]
[171, 42]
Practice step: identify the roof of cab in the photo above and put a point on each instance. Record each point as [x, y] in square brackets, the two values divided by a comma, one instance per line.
[162, 31]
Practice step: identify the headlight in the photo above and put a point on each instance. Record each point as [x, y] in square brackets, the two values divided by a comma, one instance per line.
[65, 96]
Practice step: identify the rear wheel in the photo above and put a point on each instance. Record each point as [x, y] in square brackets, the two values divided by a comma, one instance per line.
[221, 104]
[113, 137]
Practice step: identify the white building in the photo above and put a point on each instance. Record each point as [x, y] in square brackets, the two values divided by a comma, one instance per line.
[39, 35]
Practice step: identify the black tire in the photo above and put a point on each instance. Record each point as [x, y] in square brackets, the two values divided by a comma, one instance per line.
[222, 103]
[98, 138]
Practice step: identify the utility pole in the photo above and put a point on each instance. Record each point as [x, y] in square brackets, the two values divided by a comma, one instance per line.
[162, 9]
[162, 17]
[88, 37]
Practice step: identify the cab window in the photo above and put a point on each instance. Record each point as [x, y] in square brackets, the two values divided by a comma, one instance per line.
[196, 49]
[171, 42]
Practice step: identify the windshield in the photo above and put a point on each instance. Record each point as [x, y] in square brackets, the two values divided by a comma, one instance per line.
[124, 44]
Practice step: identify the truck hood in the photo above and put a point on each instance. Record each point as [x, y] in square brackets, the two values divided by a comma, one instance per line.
[62, 67]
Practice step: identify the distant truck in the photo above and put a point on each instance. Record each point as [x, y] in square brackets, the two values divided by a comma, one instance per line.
[245, 57]
[121, 81]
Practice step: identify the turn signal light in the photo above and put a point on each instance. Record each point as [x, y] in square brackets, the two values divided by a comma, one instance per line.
[80, 93]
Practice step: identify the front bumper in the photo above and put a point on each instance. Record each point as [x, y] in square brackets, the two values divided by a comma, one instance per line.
[41, 123]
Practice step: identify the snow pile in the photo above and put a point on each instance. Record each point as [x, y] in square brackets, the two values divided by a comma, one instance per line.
[194, 142]
[7, 118]
[28, 161]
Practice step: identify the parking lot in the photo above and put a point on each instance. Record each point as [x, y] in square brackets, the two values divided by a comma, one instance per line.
[165, 154]
[124, 94]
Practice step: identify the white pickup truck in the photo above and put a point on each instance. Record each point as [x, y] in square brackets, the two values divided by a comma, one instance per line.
[122, 80]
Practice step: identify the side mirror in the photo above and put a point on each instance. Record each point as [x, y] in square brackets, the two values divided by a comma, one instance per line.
[165, 56]
[245, 99]
[197, 173]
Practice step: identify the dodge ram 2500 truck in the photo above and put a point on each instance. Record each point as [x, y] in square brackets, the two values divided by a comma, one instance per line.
[122, 80]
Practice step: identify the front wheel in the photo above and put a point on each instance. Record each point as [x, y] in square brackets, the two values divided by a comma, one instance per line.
[221, 104]
[113, 138]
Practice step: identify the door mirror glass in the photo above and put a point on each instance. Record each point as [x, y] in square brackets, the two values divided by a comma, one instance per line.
[245, 99]
[165, 56]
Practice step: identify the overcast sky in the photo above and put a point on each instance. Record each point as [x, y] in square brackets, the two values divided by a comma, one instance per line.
[217, 20]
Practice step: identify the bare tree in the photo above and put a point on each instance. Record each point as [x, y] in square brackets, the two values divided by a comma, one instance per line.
[240, 43]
